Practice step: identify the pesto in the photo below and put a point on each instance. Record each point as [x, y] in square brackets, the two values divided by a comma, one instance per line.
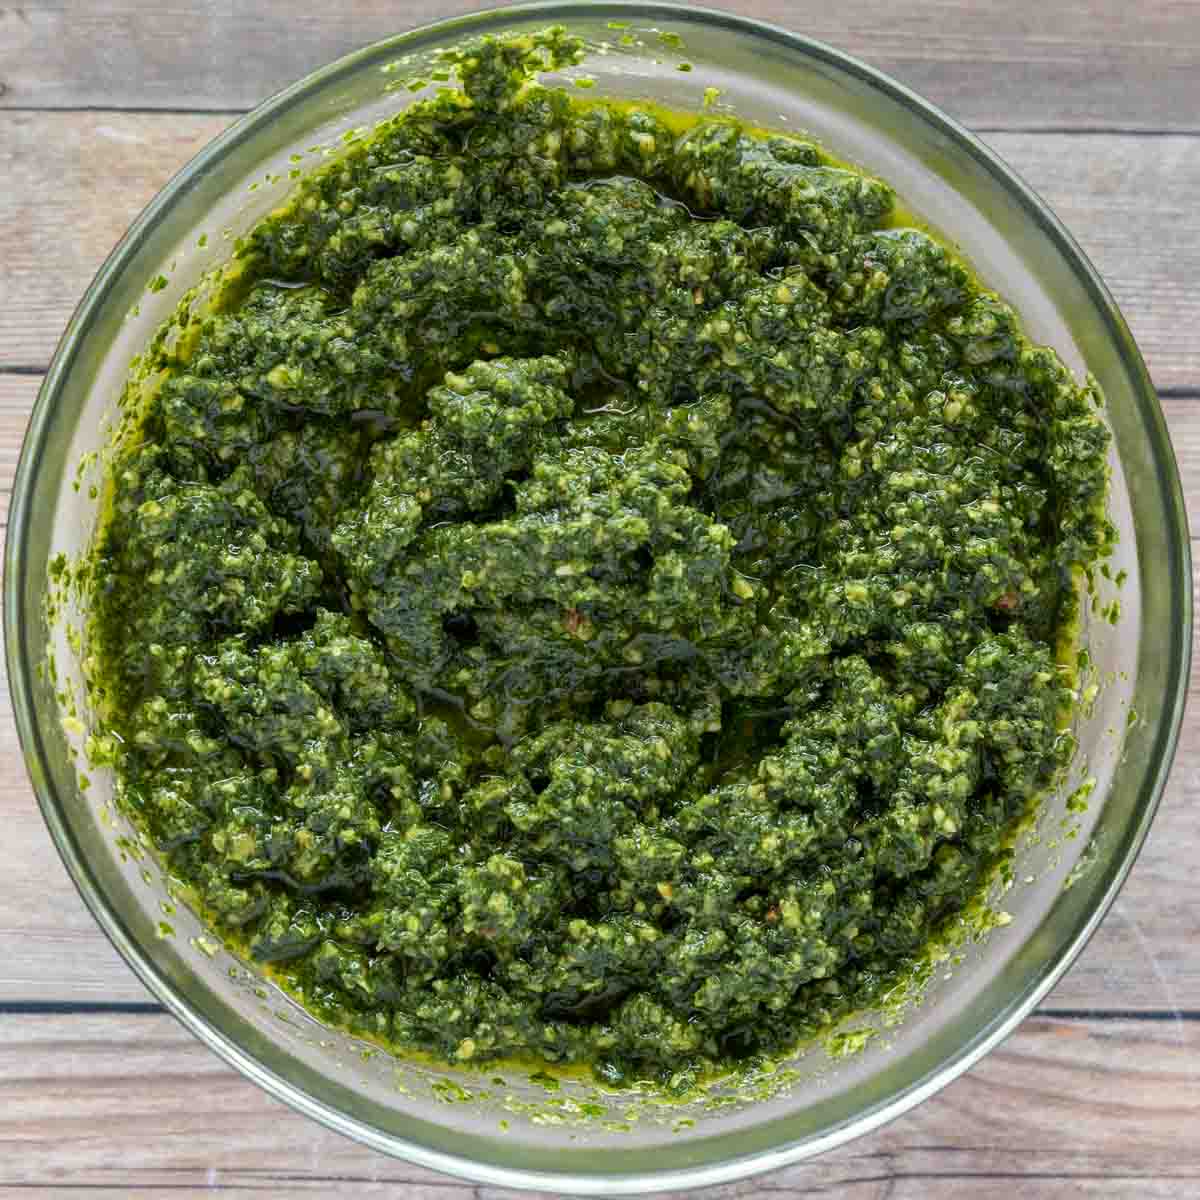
[592, 592]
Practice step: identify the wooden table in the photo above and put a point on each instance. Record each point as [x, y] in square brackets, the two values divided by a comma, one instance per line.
[1098, 1093]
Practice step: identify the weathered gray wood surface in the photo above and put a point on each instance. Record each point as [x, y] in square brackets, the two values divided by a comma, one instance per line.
[1023, 64]
[109, 1104]
[1098, 105]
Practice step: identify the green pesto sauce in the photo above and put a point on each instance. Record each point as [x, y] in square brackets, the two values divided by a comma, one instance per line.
[593, 590]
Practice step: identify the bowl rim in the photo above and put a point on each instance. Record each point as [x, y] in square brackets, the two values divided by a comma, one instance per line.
[21, 668]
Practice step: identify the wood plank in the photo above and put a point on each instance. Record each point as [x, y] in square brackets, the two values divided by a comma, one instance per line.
[1143, 956]
[1021, 64]
[17, 394]
[1126, 201]
[1183, 422]
[1130, 201]
[53, 233]
[106, 1105]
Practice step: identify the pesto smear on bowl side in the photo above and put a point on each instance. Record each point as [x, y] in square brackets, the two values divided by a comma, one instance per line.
[591, 592]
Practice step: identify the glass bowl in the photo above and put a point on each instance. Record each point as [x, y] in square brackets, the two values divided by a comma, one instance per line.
[515, 1132]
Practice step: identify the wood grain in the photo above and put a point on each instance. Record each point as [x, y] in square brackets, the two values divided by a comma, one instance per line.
[1083, 1101]
[1022, 64]
[1129, 201]
[17, 394]
[1143, 957]
[101, 1105]
[54, 234]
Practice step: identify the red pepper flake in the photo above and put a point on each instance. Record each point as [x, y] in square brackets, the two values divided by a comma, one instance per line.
[573, 621]
[1009, 602]
[772, 915]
